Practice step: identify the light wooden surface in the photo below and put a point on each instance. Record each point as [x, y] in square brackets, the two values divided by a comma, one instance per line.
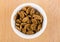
[52, 32]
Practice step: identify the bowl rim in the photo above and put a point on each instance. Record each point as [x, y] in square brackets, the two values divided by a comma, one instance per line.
[40, 9]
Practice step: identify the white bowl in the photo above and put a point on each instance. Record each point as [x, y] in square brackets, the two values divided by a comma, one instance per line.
[20, 34]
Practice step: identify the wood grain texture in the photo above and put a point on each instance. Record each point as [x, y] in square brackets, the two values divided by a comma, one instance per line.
[52, 32]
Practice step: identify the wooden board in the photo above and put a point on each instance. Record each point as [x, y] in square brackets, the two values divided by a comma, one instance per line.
[52, 32]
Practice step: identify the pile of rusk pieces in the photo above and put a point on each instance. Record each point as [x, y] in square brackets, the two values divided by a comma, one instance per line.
[28, 20]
